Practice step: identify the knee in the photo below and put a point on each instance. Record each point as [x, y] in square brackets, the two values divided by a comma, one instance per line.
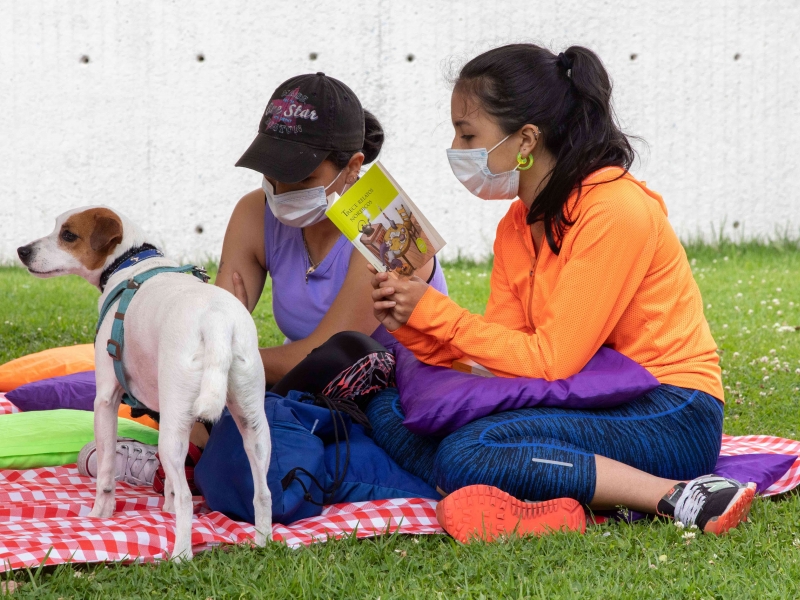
[384, 410]
[477, 439]
[464, 443]
[353, 342]
[457, 457]
[386, 418]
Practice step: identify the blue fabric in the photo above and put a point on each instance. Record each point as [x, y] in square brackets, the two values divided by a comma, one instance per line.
[223, 473]
[136, 259]
[545, 453]
[438, 400]
[372, 474]
[414, 453]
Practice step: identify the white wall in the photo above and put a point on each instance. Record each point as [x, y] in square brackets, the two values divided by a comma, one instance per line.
[145, 127]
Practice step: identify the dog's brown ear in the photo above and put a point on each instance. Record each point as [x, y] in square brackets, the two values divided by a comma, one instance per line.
[107, 233]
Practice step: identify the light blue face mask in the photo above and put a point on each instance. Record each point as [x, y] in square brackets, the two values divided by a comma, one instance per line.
[300, 208]
[471, 168]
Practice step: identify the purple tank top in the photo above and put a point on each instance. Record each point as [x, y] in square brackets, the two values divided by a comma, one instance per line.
[298, 306]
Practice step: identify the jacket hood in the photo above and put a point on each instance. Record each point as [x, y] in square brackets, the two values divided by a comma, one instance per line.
[519, 211]
[611, 173]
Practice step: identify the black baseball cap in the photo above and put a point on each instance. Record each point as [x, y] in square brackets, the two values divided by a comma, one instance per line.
[307, 118]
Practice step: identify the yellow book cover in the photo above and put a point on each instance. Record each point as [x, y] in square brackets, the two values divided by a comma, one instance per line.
[384, 224]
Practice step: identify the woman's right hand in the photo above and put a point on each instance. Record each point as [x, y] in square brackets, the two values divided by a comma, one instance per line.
[383, 306]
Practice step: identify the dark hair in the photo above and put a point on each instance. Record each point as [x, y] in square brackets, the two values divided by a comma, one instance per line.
[568, 97]
[373, 140]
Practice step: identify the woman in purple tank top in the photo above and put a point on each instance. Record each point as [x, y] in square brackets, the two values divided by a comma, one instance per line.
[313, 139]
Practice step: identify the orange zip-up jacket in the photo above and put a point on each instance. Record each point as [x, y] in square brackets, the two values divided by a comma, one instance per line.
[621, 280]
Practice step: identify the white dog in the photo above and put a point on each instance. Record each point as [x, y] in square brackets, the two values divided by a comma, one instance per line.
[189, 349]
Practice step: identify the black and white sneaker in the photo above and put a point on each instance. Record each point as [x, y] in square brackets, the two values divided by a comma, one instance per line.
[714, 504]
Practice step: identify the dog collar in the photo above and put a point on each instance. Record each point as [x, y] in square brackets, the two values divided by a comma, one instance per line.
[128, 259]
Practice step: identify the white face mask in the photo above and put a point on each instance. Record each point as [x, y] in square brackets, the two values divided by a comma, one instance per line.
[300, 208]
[471, 168]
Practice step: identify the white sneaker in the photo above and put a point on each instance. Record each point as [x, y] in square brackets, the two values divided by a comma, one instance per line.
[136, 463]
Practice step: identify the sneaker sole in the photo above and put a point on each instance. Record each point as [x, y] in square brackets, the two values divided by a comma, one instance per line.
[736, 512]
[484, 512]
[83, 458]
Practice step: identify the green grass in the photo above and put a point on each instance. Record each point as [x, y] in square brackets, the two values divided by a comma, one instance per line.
[649, 559]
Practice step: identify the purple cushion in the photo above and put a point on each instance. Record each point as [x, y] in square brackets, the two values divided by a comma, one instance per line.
[761, 469]
[74, 391]
[437, 400]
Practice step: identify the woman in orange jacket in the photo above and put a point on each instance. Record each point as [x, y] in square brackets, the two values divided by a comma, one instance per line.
[584, 258]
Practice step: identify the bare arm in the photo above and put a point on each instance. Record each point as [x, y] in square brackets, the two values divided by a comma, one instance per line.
[350, 311]
[243, 255]
[243, 250]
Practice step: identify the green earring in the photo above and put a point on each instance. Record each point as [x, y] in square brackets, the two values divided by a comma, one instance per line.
[523, 164]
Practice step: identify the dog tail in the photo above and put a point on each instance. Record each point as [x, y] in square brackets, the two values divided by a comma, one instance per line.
[217, 337]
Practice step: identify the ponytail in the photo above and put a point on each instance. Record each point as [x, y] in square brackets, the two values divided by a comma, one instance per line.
[568, 97]
[373, 137]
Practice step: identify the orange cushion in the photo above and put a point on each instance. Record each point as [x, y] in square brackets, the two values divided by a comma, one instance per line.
[125, 413]
[43, 365]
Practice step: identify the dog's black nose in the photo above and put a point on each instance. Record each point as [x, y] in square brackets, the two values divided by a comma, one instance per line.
[24, 253]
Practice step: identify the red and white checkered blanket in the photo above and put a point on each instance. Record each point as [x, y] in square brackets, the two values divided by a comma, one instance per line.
[43, 515]
[766, 444]
[6, 408]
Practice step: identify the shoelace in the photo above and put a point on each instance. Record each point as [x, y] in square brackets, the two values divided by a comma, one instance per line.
[336, 406]
[690, 504]
[136, 460]
[696, 494]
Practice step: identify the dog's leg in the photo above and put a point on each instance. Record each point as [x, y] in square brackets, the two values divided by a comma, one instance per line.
[169, 493]
[173, 444]
[106, 406]
[252, 424]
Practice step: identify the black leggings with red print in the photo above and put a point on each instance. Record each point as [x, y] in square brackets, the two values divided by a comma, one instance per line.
[349, 365]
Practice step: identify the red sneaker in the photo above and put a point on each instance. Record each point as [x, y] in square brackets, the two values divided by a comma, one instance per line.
[484, 512]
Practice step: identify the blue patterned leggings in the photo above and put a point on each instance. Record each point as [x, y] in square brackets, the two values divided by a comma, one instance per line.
[545, 453]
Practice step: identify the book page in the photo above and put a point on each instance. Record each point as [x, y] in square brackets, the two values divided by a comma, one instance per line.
[467, 365]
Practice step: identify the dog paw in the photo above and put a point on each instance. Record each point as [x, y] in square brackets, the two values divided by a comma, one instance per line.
[181, 556]
[262, 538]
[99, 513]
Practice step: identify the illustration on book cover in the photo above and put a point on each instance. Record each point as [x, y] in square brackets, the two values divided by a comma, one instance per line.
[396, 238]
[382, 222]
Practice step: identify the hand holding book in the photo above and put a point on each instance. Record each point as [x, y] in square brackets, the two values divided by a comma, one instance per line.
[394, 298]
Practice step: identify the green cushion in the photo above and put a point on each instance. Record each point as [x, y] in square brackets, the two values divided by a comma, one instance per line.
[50, 438]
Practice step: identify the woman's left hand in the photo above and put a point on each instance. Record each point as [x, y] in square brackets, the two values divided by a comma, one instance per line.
[394, 298]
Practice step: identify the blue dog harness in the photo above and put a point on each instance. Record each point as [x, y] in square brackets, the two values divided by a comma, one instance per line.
[125, 292]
